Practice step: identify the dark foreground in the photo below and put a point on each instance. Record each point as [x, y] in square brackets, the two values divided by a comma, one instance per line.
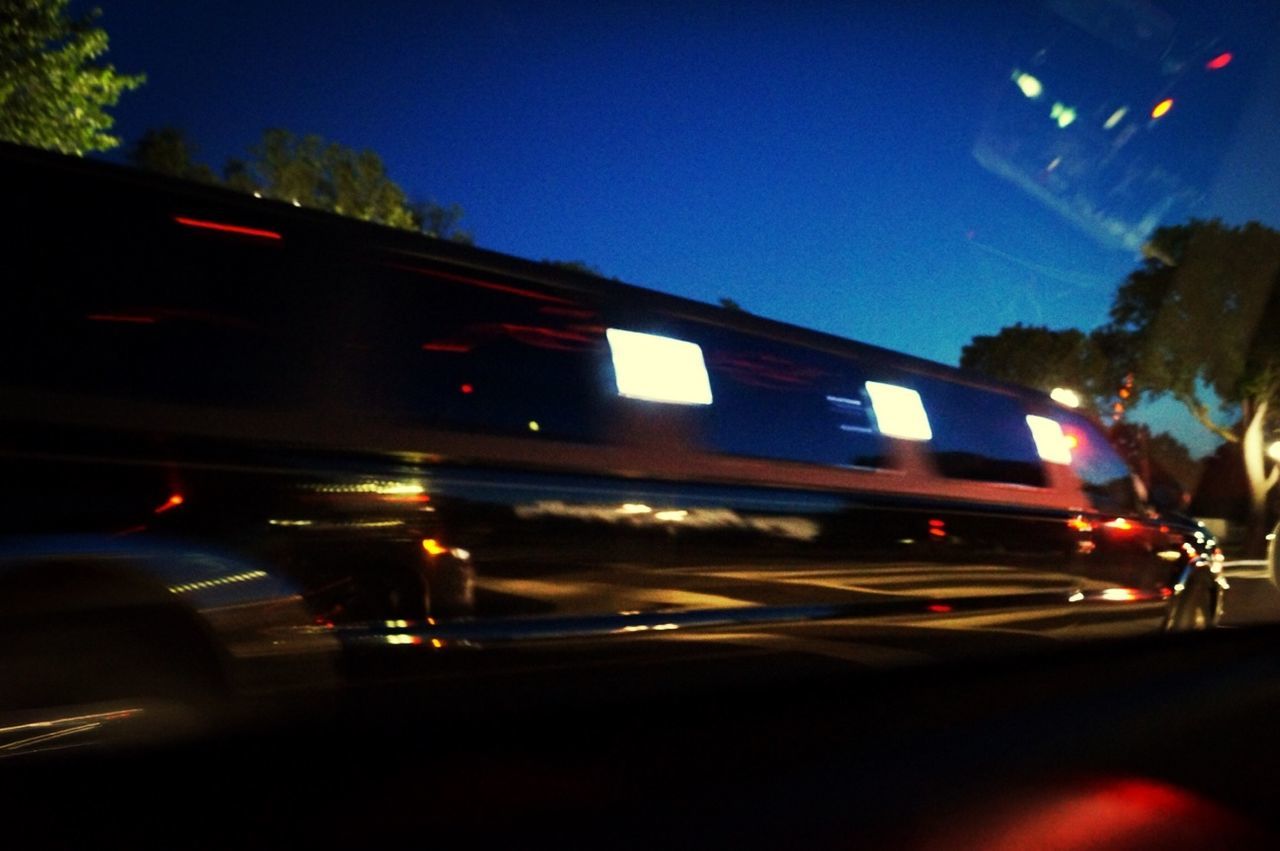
[1164, 743]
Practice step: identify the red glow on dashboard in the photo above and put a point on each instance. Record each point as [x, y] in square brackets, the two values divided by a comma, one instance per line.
[1222, 60]
[170, 503]
[226, 228]
[1105, 813]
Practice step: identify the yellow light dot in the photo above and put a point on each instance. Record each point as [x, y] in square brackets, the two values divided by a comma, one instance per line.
[1162, 107]
[533, 425]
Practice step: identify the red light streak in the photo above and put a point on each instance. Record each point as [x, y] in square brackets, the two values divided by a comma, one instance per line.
[1222, 60]
[121, 317]
[938, 607]
[225, 228]
[488, 285]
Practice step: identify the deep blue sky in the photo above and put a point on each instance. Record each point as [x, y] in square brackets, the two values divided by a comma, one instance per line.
[815, 164]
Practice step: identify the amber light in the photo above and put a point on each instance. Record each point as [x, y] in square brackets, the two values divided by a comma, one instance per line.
[226, 228]
[433, 547]
[1119, 523]
[1162, 107]
[1080, 524]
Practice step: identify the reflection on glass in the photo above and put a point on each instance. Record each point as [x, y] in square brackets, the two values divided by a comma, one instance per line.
[899, 411]
[659, 369]
[1050, 441]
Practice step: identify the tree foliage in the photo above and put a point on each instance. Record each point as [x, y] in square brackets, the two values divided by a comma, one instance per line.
[308, 171]
[1043, 358]
[1204, 308]
[439, 221]
[168, 151]
[54, 93]
[311, 172]
[1163, 462]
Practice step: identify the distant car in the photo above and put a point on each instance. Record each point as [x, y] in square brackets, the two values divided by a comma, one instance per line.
[246, 444]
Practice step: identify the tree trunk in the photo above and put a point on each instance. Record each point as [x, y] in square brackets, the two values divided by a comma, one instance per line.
[1253, 451]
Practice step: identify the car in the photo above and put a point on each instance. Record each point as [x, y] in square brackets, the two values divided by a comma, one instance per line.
[255, 450]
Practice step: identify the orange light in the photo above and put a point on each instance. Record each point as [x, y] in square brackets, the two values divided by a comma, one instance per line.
[225, 228]
[172, 502]
[1222, 60]
[1080, 524]
[433, 547]
[1121, 595]
[1162, 107]
[1072, 441]
[1119, 523]
[435, 642]
[938, 533]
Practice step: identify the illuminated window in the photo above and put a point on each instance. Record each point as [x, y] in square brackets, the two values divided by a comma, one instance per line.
[899, 411]
[659, 369]
[1051, 443]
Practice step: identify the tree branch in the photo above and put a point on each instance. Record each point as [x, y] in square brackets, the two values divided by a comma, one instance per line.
[1200, 411]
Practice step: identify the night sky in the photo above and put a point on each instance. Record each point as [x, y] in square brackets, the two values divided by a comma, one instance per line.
[816, 166]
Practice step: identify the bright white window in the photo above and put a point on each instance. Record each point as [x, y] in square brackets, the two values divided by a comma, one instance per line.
[899, 411]
[1051, 442]
[659, 369]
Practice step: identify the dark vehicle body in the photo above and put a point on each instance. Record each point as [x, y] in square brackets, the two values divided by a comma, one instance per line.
[241, 442]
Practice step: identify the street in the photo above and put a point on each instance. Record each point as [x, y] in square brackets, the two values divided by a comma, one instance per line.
[1253, 598]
